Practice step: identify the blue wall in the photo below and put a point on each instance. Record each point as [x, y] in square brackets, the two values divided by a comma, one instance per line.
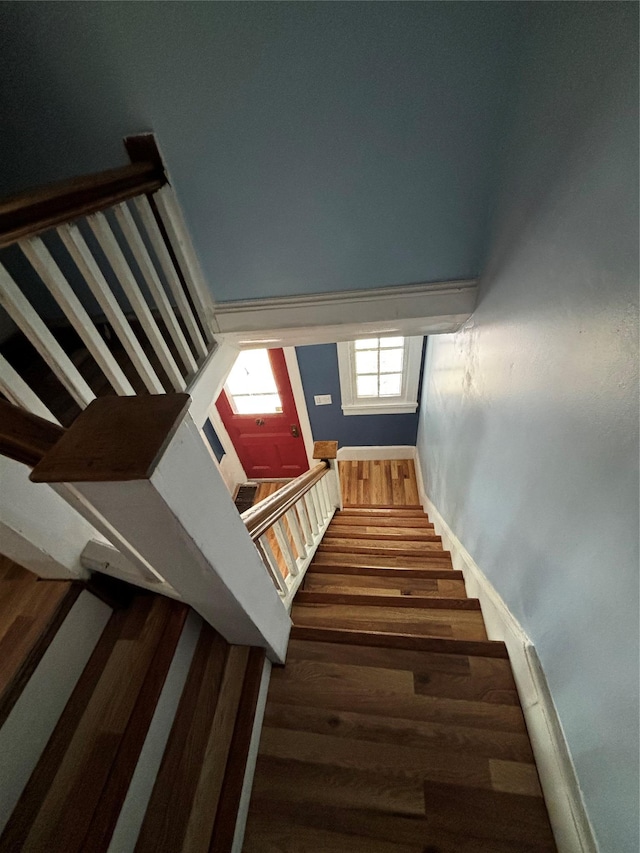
[313, 146]
[212, 438]
[319, 373]
[528, 435]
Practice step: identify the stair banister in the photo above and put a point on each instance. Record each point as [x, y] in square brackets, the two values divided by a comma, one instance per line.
[288, 526]
[35, 211]
[138, 470]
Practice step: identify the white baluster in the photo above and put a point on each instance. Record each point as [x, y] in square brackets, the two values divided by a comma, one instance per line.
[110, 246]
[40, 259]
[22, 313]
[181, 244]
[160, 248]
[311, 512]
[305, 524]
[285, 547]
[88, 266]
[296, 532]
[316, 505]
[16, 390]
[269, 559]
[143, 259]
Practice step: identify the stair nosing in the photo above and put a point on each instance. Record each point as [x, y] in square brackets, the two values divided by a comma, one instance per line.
[383, 571]
[363, 600]
[442, 645]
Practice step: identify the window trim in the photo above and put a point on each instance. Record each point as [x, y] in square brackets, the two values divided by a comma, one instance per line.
[406, 403]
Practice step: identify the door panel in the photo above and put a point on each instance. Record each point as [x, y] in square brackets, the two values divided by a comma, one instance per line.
[268, 444]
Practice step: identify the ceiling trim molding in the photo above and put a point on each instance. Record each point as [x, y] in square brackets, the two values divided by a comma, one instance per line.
[415, 309]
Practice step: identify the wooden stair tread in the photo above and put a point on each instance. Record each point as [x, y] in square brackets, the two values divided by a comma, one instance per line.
[389, 534]
[391, 691]
[31, 612]
[380, 547]
[387, 507]
[356, 600]
[317, 581]
[365, 567]
[95, 745]
[451, 623]
[483, 648]
[381, 512]
[361, 563]
[347, 520]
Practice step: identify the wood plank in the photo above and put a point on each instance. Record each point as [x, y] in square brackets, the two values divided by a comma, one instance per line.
[169, 808]
[31, 612]
[371, 585]
[360, 827]
[344, 518]
[269, 833]
[381, 544]
[201, 821]
[485, 648]
[488, 814]
[366, 567]
[391, 512]
[388, 558]
[422, 734]
[87, 762]
[458, 624]
[126, 757]
[278, 778]
[386, 693]
[385, 533]
[353, 600]
[434, 765]
[229, 801]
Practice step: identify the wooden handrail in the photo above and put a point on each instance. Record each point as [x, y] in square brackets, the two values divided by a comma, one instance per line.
[25, 437]
[35, 211]
[259, 518]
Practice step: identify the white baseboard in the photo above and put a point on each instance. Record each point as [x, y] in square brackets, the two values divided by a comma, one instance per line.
[392, 451]
[571, 827]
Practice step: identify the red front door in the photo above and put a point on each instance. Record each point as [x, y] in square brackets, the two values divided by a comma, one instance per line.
[259, 413]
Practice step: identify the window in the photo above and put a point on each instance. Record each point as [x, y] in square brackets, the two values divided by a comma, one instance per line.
[380, 375]
[251, 386]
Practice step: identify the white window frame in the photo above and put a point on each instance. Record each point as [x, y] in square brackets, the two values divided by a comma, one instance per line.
[404, 404]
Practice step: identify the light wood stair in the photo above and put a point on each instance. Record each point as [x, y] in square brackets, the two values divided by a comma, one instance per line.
[395, 725]
[188, 748]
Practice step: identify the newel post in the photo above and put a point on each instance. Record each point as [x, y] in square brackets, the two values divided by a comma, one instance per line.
[327, 451]
[137, 468]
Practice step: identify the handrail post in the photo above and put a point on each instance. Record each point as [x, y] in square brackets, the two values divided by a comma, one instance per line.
[327, 451]
[138, 470]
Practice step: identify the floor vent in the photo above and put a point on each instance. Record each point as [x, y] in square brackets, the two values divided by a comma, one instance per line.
[245, 496]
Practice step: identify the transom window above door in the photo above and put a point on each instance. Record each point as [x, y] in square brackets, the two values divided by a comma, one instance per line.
[251, 386]
[380, 375]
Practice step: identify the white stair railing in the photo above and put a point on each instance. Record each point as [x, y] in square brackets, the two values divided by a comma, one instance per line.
[117, 238]
[288, 526]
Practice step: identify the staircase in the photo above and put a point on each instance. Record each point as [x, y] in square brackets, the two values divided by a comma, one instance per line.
[395, 725]
[149, 751]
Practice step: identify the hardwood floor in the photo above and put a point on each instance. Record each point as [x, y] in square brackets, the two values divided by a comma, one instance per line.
[395, 725]
[31, 611]
[382, 483]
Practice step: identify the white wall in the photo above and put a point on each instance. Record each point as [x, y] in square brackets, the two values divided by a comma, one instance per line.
[38, 529]
[528, 436]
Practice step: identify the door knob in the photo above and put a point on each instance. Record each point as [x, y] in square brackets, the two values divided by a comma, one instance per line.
[294, 431]
[259, 421]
